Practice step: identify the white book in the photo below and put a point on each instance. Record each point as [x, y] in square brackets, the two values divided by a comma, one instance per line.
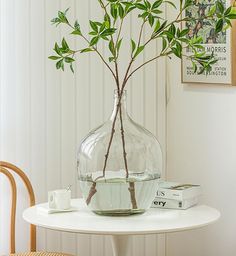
[174, 204]
[177, 191]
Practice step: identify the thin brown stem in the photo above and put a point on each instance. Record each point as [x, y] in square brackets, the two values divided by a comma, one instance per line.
[145, 63]
[132, 195]
[126, 74]
[141, 32]
[92, 192]
[131, 184]
[123, 143]
[104, 7]
[118, 36]
[117, 78]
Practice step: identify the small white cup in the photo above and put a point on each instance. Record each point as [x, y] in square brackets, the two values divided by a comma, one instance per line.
[59, 199]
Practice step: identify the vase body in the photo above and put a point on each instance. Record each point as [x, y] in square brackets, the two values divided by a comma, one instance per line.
[119, 165]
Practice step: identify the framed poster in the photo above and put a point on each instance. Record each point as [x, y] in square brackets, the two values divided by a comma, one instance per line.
[222, 45]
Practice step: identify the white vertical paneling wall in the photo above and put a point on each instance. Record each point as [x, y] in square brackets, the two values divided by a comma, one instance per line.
[45, 113]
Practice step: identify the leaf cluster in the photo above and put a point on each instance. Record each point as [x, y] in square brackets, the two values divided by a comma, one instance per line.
[63, 54]
[174, 39]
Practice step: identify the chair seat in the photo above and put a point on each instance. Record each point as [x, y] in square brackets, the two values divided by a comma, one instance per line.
[40, 254]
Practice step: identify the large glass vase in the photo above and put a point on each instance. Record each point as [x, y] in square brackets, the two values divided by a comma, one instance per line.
[119, 165]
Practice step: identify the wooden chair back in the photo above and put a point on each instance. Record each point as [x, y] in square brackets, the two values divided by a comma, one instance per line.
[6, 169]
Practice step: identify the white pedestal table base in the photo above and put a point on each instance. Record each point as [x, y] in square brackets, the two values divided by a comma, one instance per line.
[121, 244]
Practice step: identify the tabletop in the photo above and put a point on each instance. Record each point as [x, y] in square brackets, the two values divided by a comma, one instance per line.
[153, 221]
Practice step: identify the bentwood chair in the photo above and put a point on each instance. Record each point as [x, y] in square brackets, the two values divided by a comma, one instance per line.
[6, 169]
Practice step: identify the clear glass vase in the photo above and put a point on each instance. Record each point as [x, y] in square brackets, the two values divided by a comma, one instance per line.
[119, 165]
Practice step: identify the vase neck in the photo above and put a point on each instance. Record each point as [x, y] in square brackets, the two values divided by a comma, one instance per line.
[122, 103]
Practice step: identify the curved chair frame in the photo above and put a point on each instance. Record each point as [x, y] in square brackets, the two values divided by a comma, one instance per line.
[4, 169]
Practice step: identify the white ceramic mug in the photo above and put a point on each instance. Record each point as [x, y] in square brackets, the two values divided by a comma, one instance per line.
[59, 199]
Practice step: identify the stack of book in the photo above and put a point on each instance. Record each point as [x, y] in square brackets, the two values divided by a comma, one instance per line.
[174, 195]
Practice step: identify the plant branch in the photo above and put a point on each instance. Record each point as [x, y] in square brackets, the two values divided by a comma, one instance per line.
[123, 143]
[163, 53]
[100, 55]
[145, 63]
[115, 54]
[131, 184]
[96, 50]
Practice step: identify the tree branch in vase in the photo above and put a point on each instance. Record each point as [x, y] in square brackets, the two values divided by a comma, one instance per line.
[173, 37]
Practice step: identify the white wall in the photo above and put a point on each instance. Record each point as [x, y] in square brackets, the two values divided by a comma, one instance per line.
[201, 149]
[45, 113]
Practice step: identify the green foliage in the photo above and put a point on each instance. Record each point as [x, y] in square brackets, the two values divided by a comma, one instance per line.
[62, 56]
[173, 38]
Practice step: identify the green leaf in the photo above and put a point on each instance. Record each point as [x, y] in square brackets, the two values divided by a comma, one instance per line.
[176, 52]
[139, 50]
[151, 19]
[107, 20]
[112, 48]
[114, 12]
[171, 3]
[128, 10]
[194, 67]
[76, 32]
[105, 38]
[71, 68]
[103, 26]
[157, 11]
[121, 11]
[143, 15]
[212, 11]
[156, 4]
[86, 50]
[76, 25]
[157, 26]
[179, 48]
[219, 25]
[77, 28]
[141, 6]
[231, 16]
[93, 33]
[228, 10]
[108, 32]
[61, 15]
[184, 32]
[56, 21]
[54, 57]
[111, 59]
[94, 40]
[133, 46]
[220, 7]
[147, 4]
[64, 44]
[68, 59]
[60, 64]
[172, 29]
[94, 26]
[187, 3]
[164, 44]
[57, 49]
[161, 27]
[119, 44]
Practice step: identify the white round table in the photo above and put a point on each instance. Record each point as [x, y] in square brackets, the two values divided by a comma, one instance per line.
[121, 229]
